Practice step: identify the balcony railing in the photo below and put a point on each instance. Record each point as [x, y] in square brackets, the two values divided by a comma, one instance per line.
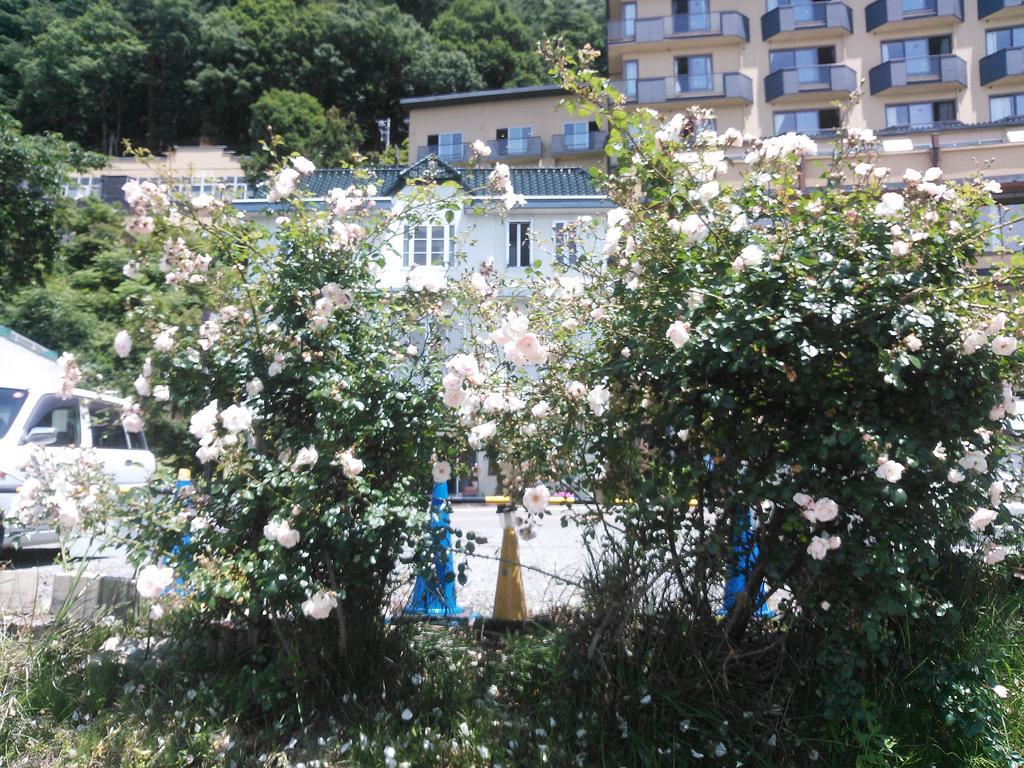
[824, 78]
[1005, 63]
[529, 146]
[919, 70]
[450, 153]
[883, 12]
[578, 143]
[988, 7]
[724, 24]
[655, 90]
[793, 18]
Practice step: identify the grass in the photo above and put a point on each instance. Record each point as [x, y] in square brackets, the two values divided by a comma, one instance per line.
[75, 696]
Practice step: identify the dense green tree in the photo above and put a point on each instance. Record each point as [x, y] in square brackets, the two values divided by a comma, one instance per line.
[170, 30]
[250, 48]
[341, 138]
[33, 172]
[83, 74]
[494, 38]
[163, 72]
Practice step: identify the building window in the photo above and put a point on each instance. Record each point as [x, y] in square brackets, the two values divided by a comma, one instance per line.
[1001, 39]
[693, 73]
[429, 244]
[566, 237]
[78, 187]
[448, 145]
[519, 243]
[921, 114]
[629, 20]
[1006, 107]
[514, 141]
[913, 7]
[811, 64]
[577, 135]
[919, 53]
[691, 16]
[809, 121]
[630, 77]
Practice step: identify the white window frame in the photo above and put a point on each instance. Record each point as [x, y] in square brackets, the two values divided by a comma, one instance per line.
[518, 249]
[443, 248]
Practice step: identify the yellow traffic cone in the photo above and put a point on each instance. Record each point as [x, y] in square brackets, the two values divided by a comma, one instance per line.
[509, 597]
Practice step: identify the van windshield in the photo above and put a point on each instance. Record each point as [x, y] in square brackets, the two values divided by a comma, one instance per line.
[11, 401]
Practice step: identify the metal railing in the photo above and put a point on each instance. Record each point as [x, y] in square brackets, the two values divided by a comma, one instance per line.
[917, 70]
[790, 18]
[988, 7]
[886, 11]
[450, 153]
[528, 146]
[825, 78]
[572, 143]
[652, 30]
[653, 90]
[1005, 63]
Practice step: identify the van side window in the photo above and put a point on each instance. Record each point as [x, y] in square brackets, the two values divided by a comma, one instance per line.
[60, 415]
[105, 424]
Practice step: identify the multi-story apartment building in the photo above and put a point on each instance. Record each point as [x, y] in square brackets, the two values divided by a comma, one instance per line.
[195, 170]
[521, 126]
[942, 81]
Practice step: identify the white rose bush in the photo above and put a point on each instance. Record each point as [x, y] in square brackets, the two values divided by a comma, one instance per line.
[311, 432]
[814, 364]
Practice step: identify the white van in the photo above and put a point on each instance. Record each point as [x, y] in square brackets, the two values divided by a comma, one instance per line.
[32, 413]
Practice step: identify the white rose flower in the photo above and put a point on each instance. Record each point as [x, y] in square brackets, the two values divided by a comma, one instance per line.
[162, 392]
[142, 386]
[276, 366]
[891, 204]
[540, 410]
[306, 457]
[576, 389]
[303, 166]
[955, 476]
[424, 278]
[890, 471]
[203, 421]
[975, 461]
[536, 499]
[236, 418]
[598, 399]
[253, 387]
[823, 510]
[981, 519]
[320, 605]
[1004, 345]
[442, 471]
[154, 579]
[995, 555]
[818, 547]
[122, 344]
[350, 465]
[678, 333]
[750, 256]
[911, 342]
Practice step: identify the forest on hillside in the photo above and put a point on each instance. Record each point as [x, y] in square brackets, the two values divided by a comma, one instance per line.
[156, 73]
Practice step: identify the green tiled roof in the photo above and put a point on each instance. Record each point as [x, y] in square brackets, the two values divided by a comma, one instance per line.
[532, 182]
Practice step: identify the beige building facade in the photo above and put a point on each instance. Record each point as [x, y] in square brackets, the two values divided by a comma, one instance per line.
[212, 170]
[521, 126]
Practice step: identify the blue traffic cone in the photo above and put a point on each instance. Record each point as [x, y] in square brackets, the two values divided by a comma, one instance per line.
[434, 595]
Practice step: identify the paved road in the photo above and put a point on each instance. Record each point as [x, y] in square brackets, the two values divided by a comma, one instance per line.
[556, 550]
